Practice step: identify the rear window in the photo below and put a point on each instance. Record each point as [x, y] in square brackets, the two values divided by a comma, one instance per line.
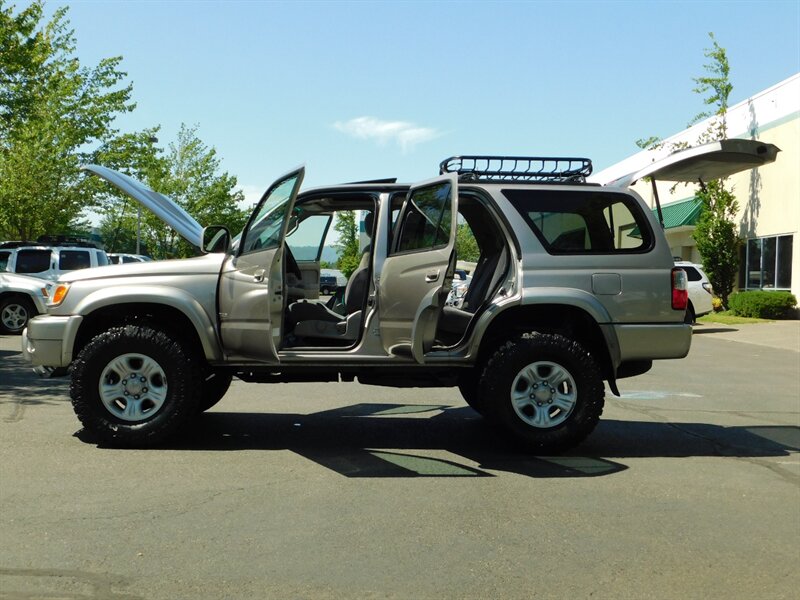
[71, 260]
[572, 222]
[691, 273]
[33, 261]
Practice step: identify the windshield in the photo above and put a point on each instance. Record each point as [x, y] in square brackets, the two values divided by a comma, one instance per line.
[264, 231]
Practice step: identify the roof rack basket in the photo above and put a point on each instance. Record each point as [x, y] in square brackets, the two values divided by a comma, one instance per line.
[520, 169]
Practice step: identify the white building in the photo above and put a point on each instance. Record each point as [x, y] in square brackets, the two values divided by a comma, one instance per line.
[768, 197]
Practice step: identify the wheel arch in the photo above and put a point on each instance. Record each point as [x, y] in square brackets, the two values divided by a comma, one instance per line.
[571, 321]
[189, 325]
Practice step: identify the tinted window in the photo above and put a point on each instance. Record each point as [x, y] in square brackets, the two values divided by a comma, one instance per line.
[33, 261]
[692, 273]
[129, 259]
[427, 219]
[71, 260]
[4, 256]
[114, 260]
[570, 222]
[102, 259]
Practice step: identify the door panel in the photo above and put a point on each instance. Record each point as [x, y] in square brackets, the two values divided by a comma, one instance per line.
[416, 277]
[251, 287]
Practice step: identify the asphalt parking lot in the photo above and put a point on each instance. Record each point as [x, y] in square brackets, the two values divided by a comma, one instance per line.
[689, 488]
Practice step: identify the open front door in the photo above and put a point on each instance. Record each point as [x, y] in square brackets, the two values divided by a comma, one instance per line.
[416, 277]
[251, 285]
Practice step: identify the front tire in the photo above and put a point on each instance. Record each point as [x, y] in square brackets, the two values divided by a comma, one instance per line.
[15, 312]
[545, 389]
[134, 386]
[213, 389]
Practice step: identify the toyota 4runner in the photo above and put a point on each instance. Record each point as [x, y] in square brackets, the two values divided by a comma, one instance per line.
[575, 285]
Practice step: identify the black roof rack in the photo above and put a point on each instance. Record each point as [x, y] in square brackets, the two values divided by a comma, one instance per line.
[519, 169]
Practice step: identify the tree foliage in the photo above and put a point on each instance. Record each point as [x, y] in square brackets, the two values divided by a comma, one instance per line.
[466, 245]
[53, 111]
[716, 83]
[189, 174]
[347, 244]
[717, 238]
[716, 232]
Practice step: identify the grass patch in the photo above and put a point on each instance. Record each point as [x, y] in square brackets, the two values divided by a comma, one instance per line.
[727, 318]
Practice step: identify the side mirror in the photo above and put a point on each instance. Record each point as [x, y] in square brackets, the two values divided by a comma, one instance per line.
[216, 238]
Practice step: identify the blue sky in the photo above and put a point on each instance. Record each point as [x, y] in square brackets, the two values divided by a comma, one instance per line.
[363, 90]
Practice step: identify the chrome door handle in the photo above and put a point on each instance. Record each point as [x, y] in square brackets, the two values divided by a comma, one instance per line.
[432, 276]
[258, 276]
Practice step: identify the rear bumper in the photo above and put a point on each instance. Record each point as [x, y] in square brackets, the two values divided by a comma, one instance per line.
[653, 341]
[47, 341]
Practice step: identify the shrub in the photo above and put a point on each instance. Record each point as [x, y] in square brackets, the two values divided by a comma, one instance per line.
[763, 305]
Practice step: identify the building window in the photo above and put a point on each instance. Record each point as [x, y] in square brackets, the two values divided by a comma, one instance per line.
[766, 264]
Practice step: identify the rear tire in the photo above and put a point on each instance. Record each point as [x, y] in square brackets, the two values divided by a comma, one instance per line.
[689, 318]
[545, 389]
[134, 386]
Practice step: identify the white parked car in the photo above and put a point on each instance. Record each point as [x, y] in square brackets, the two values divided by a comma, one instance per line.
[49, 261]
[21, 299]
[117, 258]
[700, 291]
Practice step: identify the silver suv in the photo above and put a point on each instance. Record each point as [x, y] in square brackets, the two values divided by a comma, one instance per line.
[575, 285]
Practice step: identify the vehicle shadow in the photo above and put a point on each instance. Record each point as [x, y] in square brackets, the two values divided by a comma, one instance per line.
[696, 331]
[21, 385]
[384, 440]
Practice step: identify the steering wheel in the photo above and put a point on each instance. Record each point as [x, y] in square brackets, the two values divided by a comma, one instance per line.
[291, 264]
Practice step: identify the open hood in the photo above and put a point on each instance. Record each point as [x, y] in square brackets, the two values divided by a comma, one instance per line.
[165, 209]
[705, 163]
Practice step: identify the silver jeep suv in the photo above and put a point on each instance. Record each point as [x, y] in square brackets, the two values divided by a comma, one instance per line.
[575, 285]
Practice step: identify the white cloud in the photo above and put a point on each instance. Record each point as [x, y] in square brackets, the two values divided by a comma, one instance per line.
[252, 194]
[406, 135]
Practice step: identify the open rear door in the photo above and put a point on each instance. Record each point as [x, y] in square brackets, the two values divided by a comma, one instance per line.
[704, 163]
[416, 277]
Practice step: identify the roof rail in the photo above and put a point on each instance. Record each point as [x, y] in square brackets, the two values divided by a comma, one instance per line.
[520, 169]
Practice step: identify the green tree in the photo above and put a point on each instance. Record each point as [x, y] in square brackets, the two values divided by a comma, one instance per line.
[717, 238]
[53, 112]
[715, 234]
[347, 244]
[466, 245]
[188, 173]
[716, 83]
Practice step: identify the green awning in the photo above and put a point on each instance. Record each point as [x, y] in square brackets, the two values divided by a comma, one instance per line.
[680, 214]
[677, 214]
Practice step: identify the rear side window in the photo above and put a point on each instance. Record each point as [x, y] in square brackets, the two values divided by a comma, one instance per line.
[33, 261]
[102, 259]
[129, 259]
[692, 273]
[427, 219]
[4, 256]
[71, 260]
[591, 222]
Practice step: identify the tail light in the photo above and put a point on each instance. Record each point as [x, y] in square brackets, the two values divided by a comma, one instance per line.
[680, 289]
[707, 287]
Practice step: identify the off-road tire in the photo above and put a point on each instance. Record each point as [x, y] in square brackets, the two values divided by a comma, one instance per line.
[15, 312]
[468, 386]
[689, 318]
[182, 376]
[515, 361]
[213, 389]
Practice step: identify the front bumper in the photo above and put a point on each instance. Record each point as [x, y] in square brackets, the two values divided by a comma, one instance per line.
[48, 340]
